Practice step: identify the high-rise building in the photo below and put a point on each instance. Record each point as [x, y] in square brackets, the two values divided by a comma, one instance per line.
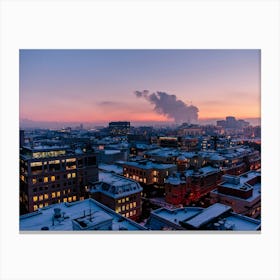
[55, 174]
[119, 128]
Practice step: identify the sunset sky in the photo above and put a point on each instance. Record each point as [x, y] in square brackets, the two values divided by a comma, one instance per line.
[99, 85]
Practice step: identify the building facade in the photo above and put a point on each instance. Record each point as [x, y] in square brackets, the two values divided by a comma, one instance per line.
[50, 175]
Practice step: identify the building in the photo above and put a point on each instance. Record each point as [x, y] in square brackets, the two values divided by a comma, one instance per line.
[216, 217]
[119, 128]
[189, 130]
[86, 215]
[242, 193]
[189, 186]
[50, 175]
[121, 194]
[147, 172]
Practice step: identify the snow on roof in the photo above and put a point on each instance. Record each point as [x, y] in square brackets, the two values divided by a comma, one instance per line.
[111, 152]
[177, 215]
[111, 168]
[44, 217]
[116, 186]
[208, 214]
[239, 222]
[149, 165]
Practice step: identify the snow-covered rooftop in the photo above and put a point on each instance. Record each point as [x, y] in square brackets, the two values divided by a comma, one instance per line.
[111, 168]
[116, 186]
[150, 165]
[76, 210]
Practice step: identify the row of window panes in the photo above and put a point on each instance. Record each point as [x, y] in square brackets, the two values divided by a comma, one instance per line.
[41, 205]
[52, 178]
[126, 207]
[52, 195]
[130, 214]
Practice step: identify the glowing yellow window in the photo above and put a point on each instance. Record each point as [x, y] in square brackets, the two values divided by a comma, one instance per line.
[119, 201]
[52, 178]
[127, 198]
[34, 181]
[123, 208]
[118, 209]
[46, 196]
[131, 213]
[74, 198]
[70, 199]
[131, 205]
[35, 207]
[58, 194]
[69, 175]
[41, 197]
[73, 175]
[127, 207]
[46, 179]
[134, 204]
[46, 204]
[53, 194]
[127, 214]
[35, 198]
[41, 205]
[65, 199]
[123, 200]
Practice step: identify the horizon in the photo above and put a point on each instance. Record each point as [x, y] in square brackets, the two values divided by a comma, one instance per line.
[98, 86]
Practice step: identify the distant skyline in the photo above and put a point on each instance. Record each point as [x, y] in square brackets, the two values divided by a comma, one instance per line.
[98, 86]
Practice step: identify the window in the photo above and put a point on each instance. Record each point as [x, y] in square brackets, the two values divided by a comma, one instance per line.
[65, 199]
[35, 198]
[73, 175]
[35, 207]
[119, 201]
[123, 200]
[46, 204]
[41, 205]
[74, 198]
[134, 204]
[34, 181]
[127, 198]
[52, 178]
[127, 215]
[46, 196]
[46, 179]
[127, 207]
[123, 208]
[118, 209]
[41, 197]
[131, 205]
[57, 194]
[53, 194]
[70, 199]
[68, 175]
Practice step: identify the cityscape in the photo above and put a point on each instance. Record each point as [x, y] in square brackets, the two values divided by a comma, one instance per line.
[103, 149]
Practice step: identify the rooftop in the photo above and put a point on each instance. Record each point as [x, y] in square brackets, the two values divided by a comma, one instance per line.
[111, 168]
[86, 211]
[144, 164]
[116, 186]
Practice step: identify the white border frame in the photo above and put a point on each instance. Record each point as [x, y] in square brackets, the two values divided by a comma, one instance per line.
[139, 24]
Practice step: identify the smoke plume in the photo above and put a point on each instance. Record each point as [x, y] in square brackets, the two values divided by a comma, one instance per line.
[168, 105]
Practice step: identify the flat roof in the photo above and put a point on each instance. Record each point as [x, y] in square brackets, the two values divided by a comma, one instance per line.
[110, 168]
[149, 165]
[208, 214]
[74, 210]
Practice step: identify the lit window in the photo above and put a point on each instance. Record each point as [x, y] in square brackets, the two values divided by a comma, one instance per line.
[131, 213]
[53, 194]
[123, 208]
[145, 180]
[58, 194]
[134, 212]
[35, 207]
[74, 198]
[134, 204]
[127, 214]
[131, 205]
[155, 179]
[46, 179]
[35, 198]
[70, 199]
[52, 178]
[22, 177]
[127, 198]
[127, 207]
[69, 190]
[34, 181]
[41, 205]
[123, 200]
[46, 204]
[46, 196]
[118, 209]
[65, 199]
[73, 175]
[68, 175]
[41, 197]
[39, 163]
[119, 201]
